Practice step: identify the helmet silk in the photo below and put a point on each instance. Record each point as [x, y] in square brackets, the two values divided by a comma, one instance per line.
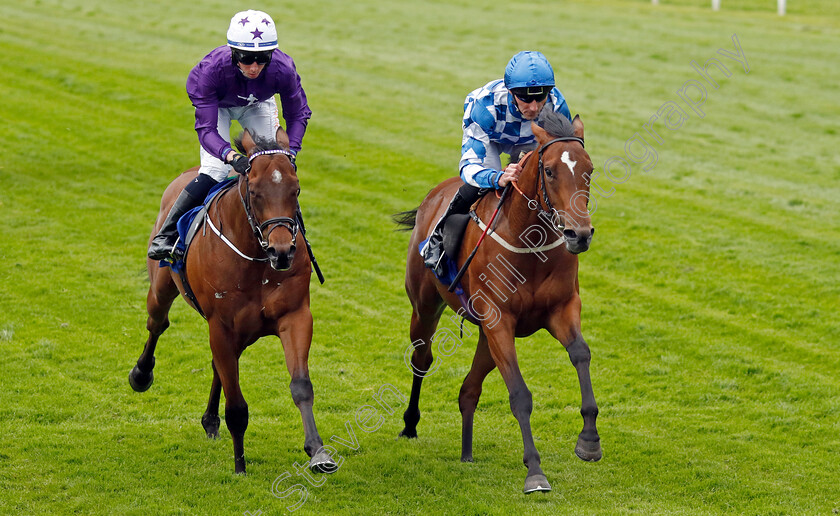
[528, 69]
[252, 31]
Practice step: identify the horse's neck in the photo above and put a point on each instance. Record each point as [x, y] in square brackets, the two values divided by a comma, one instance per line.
[232, 219]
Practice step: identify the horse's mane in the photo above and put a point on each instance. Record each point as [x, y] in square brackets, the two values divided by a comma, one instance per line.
[555, 124]
[261, 144]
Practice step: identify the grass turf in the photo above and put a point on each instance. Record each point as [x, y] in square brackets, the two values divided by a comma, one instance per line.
[710, 292]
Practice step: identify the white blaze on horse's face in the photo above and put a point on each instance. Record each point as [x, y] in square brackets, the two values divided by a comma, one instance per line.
[569, 163]
[276, 176]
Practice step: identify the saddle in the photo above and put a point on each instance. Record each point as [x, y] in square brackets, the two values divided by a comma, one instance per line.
[188, 226]
[191, 221]
[453, 235]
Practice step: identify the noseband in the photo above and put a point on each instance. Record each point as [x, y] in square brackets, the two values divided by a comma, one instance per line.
[551, 212]
[264, 229]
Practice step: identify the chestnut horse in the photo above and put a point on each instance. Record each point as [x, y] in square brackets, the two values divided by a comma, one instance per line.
[249, 283]
[513, 291]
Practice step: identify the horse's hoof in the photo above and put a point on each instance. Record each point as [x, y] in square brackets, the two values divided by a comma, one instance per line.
[139, 380]
[321, 462]
[410, 434]
[536, 483]
[467, 458]
[211, 426]
[588, 450]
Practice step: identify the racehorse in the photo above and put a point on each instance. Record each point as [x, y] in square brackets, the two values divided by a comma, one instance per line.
[248, 283]
[512, 291]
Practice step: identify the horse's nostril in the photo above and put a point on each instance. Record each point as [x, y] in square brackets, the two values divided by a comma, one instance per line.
[570, 234]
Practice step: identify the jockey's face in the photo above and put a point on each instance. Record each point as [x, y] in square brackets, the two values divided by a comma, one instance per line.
[529, 110]
[251, 71]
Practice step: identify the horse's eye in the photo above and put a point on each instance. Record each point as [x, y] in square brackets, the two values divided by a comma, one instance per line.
[548, 172]
[297, 194]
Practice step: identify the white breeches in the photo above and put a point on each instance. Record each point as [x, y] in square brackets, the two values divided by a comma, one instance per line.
[261, 118]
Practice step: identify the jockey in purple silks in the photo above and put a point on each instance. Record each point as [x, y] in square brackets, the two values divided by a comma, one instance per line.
[236, 81]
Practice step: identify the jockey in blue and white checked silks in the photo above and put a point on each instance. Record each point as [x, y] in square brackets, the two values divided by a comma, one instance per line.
[497, 120]
[236, 81]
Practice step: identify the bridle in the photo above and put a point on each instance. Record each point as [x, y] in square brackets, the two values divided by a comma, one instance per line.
[551, 213]
[264, 229]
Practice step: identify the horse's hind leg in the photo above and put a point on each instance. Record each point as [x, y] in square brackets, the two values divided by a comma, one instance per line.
[162, 292]
[296, 335]
[210, 420]
[470, 393]
[422, 328]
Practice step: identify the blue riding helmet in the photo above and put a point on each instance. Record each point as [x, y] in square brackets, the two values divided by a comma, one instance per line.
[528, 69]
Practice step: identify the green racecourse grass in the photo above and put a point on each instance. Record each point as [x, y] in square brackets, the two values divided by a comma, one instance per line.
[710, 292]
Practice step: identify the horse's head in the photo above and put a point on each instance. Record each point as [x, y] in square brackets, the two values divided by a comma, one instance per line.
[564, 170]
[270, 198]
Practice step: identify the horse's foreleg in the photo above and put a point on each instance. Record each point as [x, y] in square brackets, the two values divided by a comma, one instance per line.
[503, 349]
[296, 336]
[422, 328]
[210, 420]
[162, 292]
[471, 391]
[588, 445]
[565, 327]
[226, 351]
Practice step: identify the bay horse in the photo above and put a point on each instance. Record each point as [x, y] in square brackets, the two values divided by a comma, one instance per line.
[532, 287]
[249, 283]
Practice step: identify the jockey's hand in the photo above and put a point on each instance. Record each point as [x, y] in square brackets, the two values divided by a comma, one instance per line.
[292, 159]
[510, 174]
[240, 164]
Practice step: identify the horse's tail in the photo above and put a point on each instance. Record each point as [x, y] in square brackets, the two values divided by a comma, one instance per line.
[405, 219]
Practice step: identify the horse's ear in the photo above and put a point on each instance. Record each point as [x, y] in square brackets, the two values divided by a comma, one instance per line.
[577, 123]
[539, 132]
[245, 142]
[282, 138]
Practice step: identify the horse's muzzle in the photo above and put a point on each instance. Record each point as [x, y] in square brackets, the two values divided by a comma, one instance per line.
[578, 240]
[281, 260]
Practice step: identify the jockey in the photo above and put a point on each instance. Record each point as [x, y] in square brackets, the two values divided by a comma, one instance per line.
[237, 81]
[497, 119]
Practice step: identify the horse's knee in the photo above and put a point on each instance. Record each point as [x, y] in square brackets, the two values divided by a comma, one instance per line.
[236, 419]
[579, 351]
[521, 402]
[421, 358]
[302, 391]
[157, 326]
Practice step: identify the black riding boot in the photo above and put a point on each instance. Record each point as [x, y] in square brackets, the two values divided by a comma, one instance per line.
[464, 198]
[194, 193]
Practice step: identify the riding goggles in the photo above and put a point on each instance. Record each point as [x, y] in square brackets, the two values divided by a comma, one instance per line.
[528, 95]
[248, 58]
